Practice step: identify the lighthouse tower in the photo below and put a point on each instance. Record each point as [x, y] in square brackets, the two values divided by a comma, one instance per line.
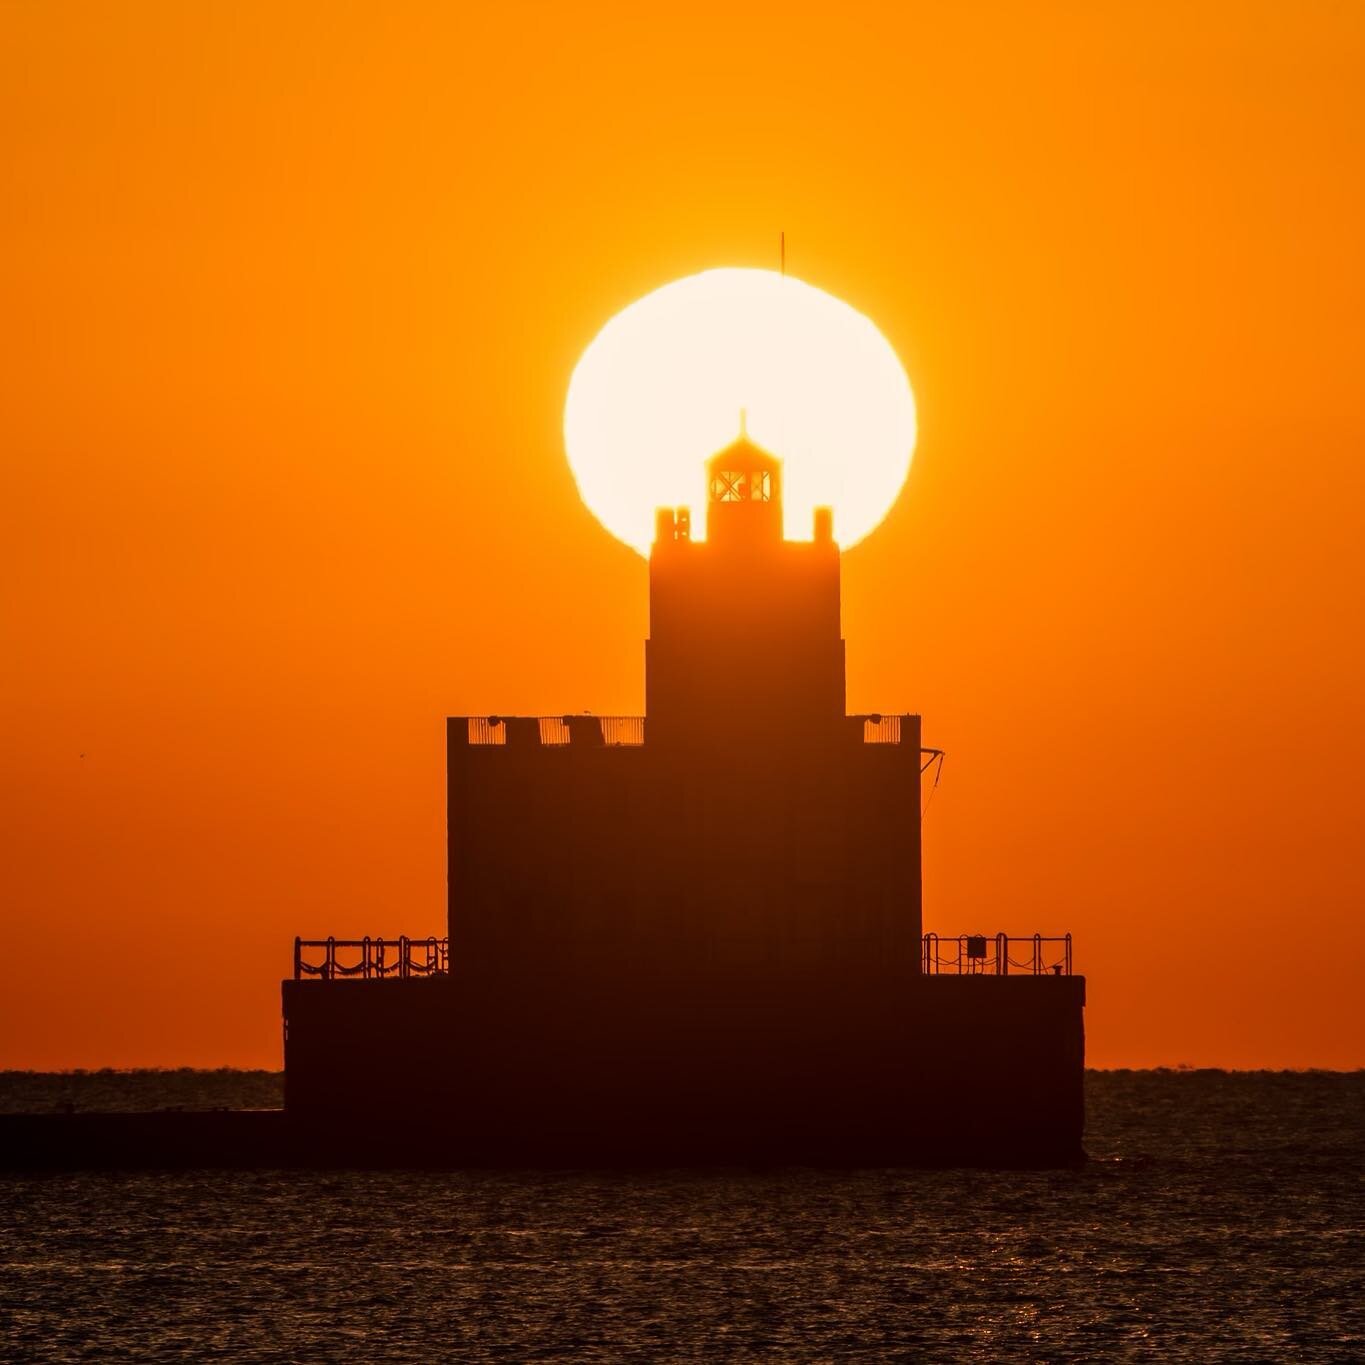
[744, 644]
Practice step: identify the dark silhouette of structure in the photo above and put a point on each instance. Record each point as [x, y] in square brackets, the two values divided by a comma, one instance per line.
[741, 839]
[688, 937]
[696, 935]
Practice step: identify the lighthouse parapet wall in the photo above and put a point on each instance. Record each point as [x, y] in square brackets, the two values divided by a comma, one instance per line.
[581, 845]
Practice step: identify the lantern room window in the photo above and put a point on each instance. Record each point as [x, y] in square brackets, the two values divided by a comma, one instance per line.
[742, 485]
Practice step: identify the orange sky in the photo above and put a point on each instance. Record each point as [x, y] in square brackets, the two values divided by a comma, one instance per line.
[291, 297]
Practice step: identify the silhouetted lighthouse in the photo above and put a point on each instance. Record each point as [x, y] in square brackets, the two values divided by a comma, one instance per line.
[697, 934]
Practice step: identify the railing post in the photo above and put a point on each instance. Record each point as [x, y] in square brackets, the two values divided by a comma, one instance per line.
[1002, 955]
[298, 958]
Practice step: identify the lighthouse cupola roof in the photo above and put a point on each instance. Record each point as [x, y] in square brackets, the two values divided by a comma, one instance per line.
[744, 492]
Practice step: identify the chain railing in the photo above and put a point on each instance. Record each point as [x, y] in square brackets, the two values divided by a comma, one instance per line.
[370, 959]
[996, 955]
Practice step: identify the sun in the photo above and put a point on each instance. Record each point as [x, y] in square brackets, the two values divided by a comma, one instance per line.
[668, 381]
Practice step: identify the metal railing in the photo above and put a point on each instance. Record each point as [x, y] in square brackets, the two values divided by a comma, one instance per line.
[555, 731]
[370, 959]
[375, 959]
[996, 955]
[627, 730]
[879, 729]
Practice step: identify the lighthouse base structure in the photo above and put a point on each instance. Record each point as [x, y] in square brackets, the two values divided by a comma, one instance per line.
[958, 1070]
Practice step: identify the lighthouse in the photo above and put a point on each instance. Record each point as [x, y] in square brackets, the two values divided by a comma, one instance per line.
[696, 934]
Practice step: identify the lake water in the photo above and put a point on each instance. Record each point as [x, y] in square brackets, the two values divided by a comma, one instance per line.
[1222, 1218]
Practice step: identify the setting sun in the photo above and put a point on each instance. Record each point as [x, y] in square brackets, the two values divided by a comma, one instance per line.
[664, 383]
